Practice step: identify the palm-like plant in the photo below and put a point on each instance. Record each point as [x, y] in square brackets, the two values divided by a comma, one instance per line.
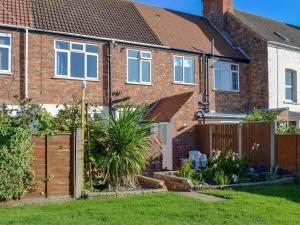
[125, 140]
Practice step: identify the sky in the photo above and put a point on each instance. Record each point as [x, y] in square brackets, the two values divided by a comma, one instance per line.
[275, 9]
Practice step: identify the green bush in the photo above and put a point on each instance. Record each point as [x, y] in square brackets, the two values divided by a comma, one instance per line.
[257, 115]
[16, 175]
[221, 178]
[125, 140]
[186, 171]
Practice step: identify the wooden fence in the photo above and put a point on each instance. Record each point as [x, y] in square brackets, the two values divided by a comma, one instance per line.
[53, 166]
[288, 153]
[256, 141]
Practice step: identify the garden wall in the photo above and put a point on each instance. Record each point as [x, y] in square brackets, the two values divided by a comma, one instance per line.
[54, 166]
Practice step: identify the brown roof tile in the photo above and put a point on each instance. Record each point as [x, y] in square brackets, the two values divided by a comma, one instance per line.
[185, 31]
[166, 108]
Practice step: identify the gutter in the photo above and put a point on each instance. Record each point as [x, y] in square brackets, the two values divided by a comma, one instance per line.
[277, 44]
[125, 42]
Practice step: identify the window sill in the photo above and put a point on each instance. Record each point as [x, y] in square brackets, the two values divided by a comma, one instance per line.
[290, 102]
[5, 73]
[237, 92]
[142, 84]
[179, 83]
[78, 79]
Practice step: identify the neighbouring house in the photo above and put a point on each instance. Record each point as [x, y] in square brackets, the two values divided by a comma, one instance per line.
[125, 51]
[274, 49]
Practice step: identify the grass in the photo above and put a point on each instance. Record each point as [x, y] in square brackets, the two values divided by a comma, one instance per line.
[264, 205]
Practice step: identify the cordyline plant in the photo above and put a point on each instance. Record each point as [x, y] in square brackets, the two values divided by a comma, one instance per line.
[125, 141]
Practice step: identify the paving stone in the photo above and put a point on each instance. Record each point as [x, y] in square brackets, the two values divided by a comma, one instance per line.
[202, 197]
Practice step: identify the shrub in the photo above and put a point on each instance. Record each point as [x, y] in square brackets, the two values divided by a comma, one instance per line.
[221, 178]
[258, 115]
[125, 141]
[186, 171]
[16, 175]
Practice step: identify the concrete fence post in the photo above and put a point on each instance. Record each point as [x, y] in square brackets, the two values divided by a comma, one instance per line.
[240, 139]
[78, 164]
[272, 145]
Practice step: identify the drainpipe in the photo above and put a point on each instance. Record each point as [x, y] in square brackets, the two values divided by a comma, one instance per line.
[207, 85]
[26, 64]
[110, 78]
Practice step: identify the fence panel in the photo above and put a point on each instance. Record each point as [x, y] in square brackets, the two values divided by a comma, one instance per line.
[224, 137]
[288, 153]
[204, 136]
[53, 166]
[257, 143]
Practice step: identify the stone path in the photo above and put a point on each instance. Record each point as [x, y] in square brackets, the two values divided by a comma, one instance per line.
[202, 197]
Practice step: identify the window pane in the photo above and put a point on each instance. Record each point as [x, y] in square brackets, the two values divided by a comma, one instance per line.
[235, 81]
[234, 67]
[289, 78]
[146, 55]
[133, 54]
[226, 81]
[4, 64]
[225, 66]
[92, 66]
[133, 70]
[217, 65]
[77, 65]
[218, 80]
[92, 48]
[146, 71]
[289, 94]
[62, 63]
[4, 40]
[77, 47]
[178, 69]
[62, 45]
[189, 70]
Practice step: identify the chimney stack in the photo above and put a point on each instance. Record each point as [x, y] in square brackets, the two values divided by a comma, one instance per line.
[215, 11]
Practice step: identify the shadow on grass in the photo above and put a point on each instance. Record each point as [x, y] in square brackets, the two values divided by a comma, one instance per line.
[289, 191]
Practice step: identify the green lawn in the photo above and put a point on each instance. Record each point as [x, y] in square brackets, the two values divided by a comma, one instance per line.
[264, 205]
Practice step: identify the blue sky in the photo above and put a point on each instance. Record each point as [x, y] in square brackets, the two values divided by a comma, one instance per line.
[275, 9]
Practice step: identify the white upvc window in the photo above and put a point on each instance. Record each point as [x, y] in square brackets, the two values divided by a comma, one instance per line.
[184, 70]
[138, 67]
[290, 86]
[5, 53]
[76, 60]
[226, 76]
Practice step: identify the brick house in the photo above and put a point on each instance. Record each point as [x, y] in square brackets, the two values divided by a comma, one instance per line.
[274, 49]
[124, 50]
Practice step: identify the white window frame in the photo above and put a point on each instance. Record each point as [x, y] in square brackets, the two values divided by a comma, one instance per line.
[9, 52]
[174, 69]
[231, 72]
[293, 86]
[141, 59]
[86, 54]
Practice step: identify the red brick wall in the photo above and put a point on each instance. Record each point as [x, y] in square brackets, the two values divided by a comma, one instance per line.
[10, 83]
[256, 48]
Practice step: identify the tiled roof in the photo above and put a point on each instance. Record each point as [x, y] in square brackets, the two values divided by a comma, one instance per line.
[269, 29]
[15, 12]
[186, 31]
[166, 108]
[118, 19]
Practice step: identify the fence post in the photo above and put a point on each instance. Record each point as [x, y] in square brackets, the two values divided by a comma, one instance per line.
[273, 133]
[240, 139]
[210, 128]
[78, 164]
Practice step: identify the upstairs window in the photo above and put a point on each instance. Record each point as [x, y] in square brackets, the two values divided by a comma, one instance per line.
[138, 67]
[76, 60]
[290, 86]
[5, 53]
[184, 70]
[226, 76]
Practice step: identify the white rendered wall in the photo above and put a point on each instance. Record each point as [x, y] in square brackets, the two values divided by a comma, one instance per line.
[280, 59]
